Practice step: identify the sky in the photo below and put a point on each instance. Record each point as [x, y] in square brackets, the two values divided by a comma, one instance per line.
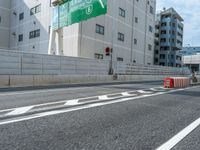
[189, 10]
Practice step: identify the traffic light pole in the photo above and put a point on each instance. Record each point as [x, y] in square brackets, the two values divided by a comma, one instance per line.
[111, 63]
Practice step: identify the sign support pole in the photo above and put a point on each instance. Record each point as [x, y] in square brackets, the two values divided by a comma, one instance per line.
[51, 38]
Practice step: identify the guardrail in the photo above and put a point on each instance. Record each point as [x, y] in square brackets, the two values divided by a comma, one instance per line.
[20, 63]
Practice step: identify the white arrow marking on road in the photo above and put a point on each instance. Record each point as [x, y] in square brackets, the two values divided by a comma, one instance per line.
[72, 102]
[180, 136]
[100, 1]
[19, 111]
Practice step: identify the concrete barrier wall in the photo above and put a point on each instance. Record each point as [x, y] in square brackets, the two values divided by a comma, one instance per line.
[28, 69]
[15, 63]
[41, 80]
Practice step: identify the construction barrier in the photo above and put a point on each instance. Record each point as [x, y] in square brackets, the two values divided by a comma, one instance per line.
[176, 82]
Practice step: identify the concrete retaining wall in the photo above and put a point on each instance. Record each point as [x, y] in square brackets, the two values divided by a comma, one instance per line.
[41, 80]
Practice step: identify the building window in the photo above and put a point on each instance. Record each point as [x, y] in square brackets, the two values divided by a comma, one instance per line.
[163, 24]
[122, 12]
[136, 19]
[162, 64]
[98, 56]
[150, 29]
[156, 52]
[20, 38]
[135, 41]
[120, 59]
[162, 56]
[151, 10]
[21, 16]
[34, 34]
[163, 40]
[35, 9]
[99, 29]
[120, 36]
[149, 47]
[163, 32]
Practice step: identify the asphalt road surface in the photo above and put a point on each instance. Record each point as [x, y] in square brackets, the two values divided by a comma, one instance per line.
[142, 116]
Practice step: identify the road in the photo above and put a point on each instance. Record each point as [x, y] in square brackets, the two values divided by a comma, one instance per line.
[140, 116]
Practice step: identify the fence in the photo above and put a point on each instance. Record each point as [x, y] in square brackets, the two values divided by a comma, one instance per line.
[15, 63]
[130, 69]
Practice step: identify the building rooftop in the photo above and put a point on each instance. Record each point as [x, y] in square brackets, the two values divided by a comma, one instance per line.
[172, 11]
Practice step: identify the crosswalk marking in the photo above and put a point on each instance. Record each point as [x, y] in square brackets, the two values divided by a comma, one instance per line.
[20, 111]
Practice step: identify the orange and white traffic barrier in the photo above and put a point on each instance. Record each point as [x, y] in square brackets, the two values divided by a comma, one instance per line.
[176, 82]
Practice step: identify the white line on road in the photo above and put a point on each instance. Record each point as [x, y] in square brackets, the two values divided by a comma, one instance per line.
[144, 92]
[19, 111]
[104, 97]
[154, 89]
[59, 102]
[39, 115]
[72, 102]
[180, 136]
[127, 94]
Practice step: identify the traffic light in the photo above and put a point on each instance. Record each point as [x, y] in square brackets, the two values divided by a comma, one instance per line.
[107, 51]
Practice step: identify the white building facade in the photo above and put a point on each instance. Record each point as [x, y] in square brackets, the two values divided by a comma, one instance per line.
[4, 23]
[127, 28]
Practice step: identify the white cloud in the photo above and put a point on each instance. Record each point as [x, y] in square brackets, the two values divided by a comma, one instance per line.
[189, 10]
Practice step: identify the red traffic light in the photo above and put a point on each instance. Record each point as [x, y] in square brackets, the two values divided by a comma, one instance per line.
[107, 51]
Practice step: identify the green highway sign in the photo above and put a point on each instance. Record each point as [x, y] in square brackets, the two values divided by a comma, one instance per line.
[74, 11]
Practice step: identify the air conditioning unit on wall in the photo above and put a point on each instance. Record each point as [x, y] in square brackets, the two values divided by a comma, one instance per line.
[14, 33]
[58, 2]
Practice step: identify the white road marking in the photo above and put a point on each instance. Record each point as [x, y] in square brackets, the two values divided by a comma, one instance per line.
[58, 102]
[180, 136]
[72, 102]
[39, 115]
[144, 92]
[102, 5]
[104, 97]
[127, 94]
[19, 111]
[6, 110]
[154, 89]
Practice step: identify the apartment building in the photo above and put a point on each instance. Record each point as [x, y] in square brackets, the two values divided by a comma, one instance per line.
[4, 23]
[168, 38]
[190, 50]
[127, 28]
